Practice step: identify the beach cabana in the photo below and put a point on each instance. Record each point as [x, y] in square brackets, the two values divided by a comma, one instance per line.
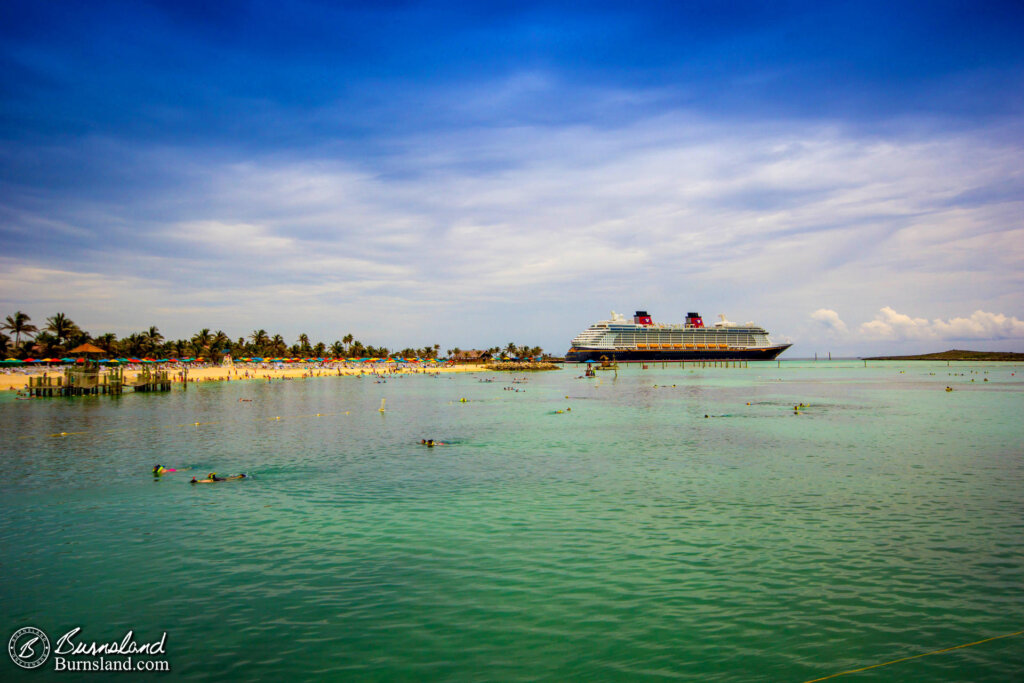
[87, 376]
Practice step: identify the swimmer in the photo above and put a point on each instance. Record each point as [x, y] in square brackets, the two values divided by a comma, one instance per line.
[212, 478]
[158, 470]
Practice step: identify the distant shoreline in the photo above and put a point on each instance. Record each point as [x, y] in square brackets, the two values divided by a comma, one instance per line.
[959, 355]
[251, 372]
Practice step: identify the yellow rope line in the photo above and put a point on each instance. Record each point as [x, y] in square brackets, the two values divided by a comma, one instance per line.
[903, 659]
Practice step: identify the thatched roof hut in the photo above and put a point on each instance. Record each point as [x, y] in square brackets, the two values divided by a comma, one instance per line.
[86, 348]
[472, 356]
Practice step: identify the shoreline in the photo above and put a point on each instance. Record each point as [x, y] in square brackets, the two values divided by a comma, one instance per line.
[246, 372]
[959, 355]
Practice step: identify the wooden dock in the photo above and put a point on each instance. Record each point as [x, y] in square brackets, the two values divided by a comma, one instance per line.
[87, 380]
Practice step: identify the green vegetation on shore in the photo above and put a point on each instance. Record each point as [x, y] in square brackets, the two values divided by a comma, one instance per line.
[958, 354]
[523, 366]
[61, 334]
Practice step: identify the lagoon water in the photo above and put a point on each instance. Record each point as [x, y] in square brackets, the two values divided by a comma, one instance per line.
[630, 538]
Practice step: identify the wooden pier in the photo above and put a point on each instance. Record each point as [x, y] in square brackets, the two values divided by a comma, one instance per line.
[87, 380]
[693, 363]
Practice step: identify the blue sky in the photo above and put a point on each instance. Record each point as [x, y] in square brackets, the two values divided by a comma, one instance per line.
[847, 174]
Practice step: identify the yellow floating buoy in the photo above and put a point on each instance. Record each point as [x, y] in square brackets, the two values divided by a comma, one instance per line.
[381, 409]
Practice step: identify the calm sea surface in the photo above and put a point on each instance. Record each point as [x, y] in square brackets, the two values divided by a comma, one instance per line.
[629, 538]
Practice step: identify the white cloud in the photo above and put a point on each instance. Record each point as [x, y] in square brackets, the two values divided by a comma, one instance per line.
[830, 320]
[547, 223]
[891, 325]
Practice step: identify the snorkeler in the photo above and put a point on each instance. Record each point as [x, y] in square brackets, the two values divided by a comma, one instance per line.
[159, 469]
[212, 478]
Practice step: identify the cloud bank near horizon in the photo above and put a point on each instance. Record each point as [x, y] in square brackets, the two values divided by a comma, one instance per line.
[889, 325]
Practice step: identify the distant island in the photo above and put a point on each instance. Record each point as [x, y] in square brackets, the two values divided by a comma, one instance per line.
[957, 354]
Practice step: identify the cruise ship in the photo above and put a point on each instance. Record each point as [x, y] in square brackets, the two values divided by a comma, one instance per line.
[618, 339]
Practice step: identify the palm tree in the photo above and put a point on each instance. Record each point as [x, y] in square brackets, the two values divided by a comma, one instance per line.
[337, 349]
[5, 341]
[152, 338]
[221, 342]
[77, 338]
[107, 341]
[201, 341]
[304, 344]
[19, 325]
[278, 346]
[347, 340]
[45, 344]
[260, 340]
[320, 350]
[61, 326]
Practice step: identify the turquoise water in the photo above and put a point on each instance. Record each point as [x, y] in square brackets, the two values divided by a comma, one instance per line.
[629, 538]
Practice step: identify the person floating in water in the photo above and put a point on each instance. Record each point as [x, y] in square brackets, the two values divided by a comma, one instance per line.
[159, 469]
[431, 443]
[212, 478]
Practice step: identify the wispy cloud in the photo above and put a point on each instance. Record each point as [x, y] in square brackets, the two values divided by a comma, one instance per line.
[614, 217]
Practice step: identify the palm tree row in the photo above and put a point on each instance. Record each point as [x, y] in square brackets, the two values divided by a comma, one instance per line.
[61, 334]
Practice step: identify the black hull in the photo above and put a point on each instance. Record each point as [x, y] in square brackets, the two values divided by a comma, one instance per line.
[582, 355]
